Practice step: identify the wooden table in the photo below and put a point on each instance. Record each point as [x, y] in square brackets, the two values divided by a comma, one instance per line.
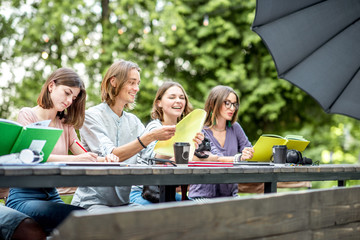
[70, 176]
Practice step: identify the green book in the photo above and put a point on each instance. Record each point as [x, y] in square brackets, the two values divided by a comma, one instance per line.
[36, 136]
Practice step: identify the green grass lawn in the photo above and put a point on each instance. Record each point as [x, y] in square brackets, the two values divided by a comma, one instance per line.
[66, 198]
[315, 185]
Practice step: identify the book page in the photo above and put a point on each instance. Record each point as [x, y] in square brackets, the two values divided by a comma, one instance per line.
[186, 130]
[296, 142]
[44, 123]
[299, 145]
[2, 120]
[272, 135]
[295, 137]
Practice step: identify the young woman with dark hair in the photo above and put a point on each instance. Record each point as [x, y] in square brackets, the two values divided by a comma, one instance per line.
[228, 140]
[61, 100]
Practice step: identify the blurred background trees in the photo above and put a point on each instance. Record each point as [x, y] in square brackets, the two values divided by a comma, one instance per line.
[200, 44]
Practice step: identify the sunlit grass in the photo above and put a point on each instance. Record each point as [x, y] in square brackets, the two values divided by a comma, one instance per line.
[315, 185]
[67, 198]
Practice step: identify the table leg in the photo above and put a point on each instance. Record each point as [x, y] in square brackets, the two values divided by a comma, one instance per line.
[184, 189]
[270, 187]
[167, 193]
[341, 183]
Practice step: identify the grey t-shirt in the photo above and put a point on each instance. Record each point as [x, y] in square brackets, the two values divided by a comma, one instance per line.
[102, 131]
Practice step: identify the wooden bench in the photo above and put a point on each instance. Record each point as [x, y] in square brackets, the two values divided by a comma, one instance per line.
[313, 214]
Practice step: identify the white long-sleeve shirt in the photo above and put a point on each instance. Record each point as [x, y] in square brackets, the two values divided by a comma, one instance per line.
[103, 130]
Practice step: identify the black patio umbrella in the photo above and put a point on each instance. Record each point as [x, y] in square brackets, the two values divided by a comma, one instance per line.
[316, 46]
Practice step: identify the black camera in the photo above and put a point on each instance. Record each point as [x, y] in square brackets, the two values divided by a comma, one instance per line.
[295, 157]
[204, 149]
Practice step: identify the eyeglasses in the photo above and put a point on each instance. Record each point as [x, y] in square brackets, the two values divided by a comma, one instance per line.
[228, 105]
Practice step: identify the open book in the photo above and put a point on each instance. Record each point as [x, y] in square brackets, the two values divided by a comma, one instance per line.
[186, 130]
[36, 136]
[263, 147]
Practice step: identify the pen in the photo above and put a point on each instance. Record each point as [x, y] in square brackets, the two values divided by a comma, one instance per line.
[79, 145]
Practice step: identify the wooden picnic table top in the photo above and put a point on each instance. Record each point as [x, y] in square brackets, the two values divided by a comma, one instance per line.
[62, 176]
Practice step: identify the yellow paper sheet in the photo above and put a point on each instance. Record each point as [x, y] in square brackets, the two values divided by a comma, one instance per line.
[186, 130]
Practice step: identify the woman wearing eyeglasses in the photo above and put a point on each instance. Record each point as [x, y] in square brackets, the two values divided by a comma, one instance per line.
[227, 139]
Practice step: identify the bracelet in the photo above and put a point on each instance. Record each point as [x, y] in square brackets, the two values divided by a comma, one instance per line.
[138, 138]
[237, 158]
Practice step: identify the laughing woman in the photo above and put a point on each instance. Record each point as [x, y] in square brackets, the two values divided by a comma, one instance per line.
[62, 100]
[171, 104]
[227, 139]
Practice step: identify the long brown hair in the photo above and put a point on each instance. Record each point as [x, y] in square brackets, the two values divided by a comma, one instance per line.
[214, 102]
[157, 112]
[120, 70]
[75, 114]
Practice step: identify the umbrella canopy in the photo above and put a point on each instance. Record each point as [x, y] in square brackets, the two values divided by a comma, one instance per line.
[316, 46]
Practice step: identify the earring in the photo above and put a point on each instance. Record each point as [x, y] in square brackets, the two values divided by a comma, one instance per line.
[214, 123]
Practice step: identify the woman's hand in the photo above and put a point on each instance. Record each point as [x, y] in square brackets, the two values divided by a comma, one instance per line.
[86, 157]
[247, 153]
[108, 158]
[199, 137]
[111, 158]
[210, 158]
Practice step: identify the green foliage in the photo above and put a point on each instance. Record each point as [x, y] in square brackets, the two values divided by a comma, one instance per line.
[200, 44]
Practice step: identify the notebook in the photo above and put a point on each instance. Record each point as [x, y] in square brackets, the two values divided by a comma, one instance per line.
[263, 147]
[36, 136]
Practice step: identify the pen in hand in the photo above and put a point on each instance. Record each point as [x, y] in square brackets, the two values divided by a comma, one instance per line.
[77, 143]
